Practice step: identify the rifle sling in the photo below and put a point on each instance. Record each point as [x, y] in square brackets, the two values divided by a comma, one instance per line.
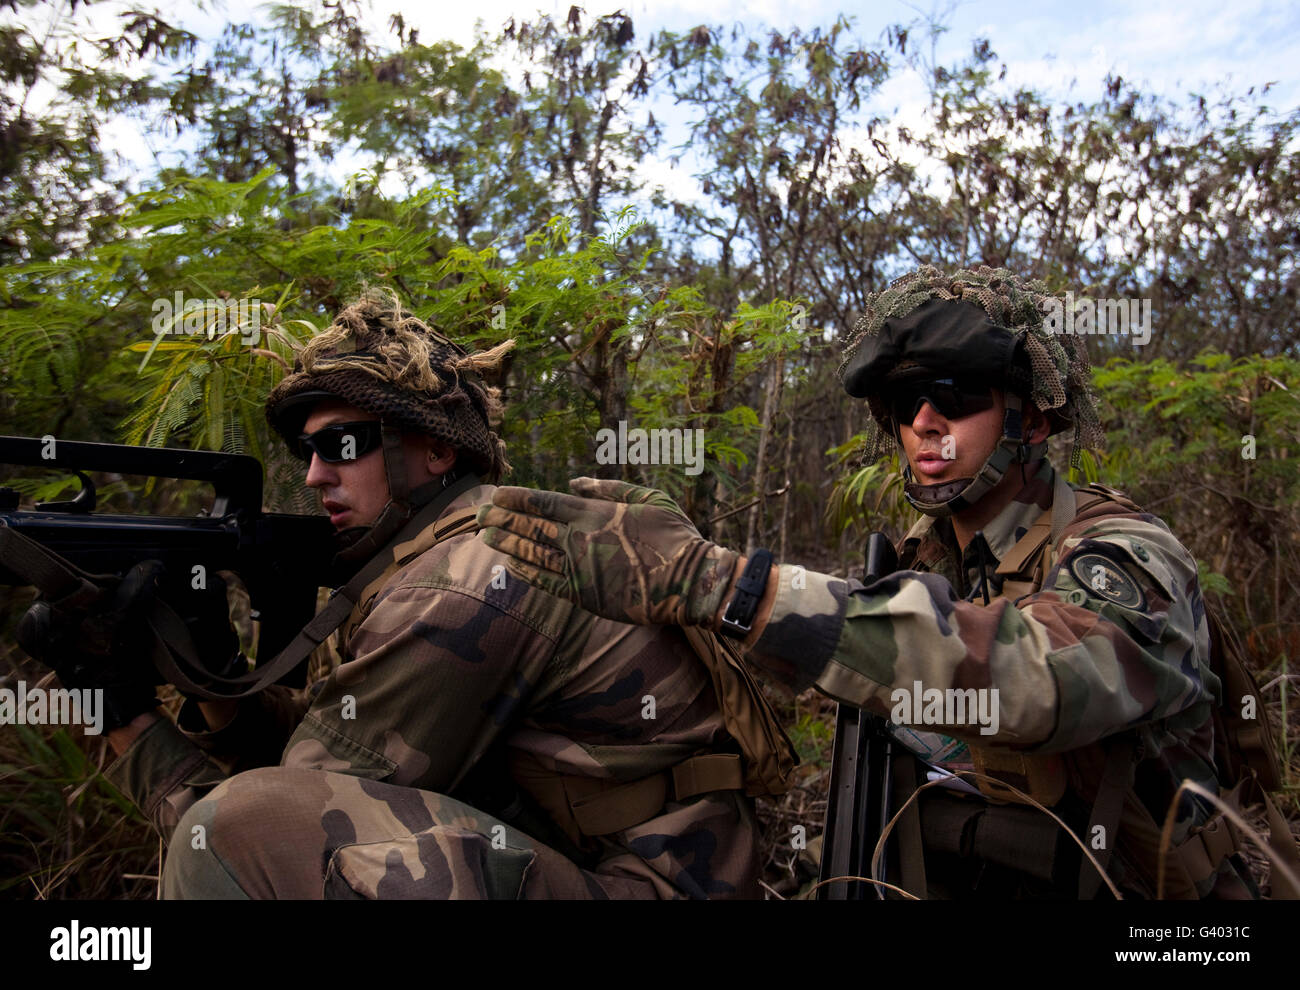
[63, 582]
[1116, 782]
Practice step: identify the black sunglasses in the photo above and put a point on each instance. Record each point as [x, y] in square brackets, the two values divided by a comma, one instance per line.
[340, 442]
[952, 398]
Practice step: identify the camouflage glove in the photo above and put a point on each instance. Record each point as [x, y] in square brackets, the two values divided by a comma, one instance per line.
[622, 552]
[103, 646]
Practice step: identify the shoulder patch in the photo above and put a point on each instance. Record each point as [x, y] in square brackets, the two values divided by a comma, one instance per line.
[1103, 578]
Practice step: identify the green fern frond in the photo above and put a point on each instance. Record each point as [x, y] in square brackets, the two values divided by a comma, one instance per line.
[233, 437]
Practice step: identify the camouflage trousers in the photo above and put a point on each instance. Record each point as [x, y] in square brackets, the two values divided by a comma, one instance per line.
[285, 832]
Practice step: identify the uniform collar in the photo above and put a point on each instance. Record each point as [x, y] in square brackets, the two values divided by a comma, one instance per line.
[1004, 530]
[930, 545]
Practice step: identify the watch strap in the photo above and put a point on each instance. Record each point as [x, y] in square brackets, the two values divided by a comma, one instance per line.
[738, 619]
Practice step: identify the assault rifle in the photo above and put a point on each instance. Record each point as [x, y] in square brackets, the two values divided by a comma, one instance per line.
[862, 759]
[281, 559]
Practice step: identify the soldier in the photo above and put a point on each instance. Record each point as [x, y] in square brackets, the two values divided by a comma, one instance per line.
[1067, 625]
[479, 738]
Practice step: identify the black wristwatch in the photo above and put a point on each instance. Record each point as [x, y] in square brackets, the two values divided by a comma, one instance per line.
[738, 619]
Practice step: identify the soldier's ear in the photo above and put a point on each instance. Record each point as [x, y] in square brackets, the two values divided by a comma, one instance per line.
[1037, 427]
[442, 457]
[426, 458]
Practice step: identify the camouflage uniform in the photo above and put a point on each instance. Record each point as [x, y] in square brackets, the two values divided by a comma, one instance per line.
[449, 671]
[479, 738]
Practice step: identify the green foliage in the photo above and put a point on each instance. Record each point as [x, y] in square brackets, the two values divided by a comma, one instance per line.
[812, 736]
[56, 189]
[870, 497]
[1214, 448]
[1212, 583]
[1194, 423]
[598, 340]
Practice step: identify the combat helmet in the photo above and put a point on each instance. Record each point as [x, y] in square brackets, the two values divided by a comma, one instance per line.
[379, 357]
[984, 324]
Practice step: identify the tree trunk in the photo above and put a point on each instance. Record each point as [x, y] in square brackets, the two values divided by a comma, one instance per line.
[756, 514]
[789, 494]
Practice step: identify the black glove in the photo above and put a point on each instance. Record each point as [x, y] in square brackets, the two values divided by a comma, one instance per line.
[216, 644]
[101, 646]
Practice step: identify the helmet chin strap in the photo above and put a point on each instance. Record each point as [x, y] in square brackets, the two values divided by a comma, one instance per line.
[949, 497]
[360, 543]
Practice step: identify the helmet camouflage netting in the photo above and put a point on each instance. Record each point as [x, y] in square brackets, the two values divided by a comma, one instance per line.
[1055, 366]
[381, 358]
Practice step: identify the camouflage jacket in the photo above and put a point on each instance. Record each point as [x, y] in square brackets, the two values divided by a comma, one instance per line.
[453, 670]
[1074, 663]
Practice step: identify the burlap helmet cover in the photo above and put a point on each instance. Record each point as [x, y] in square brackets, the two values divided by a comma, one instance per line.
[381, 358]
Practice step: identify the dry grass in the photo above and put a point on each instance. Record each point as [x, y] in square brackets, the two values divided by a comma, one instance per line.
[65, 832]
[788, 870]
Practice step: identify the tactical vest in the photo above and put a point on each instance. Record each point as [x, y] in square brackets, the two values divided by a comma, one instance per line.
[1012, 833]
[586, 807]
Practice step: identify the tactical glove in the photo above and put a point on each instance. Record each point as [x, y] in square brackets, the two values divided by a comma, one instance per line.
[622, 552]
[216, 644]
[100, 646]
